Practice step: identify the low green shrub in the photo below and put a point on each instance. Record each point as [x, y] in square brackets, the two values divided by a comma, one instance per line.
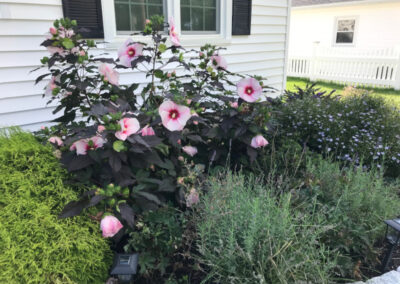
[355, 202]
[358, 129]
[248, 235]
[35, 246]
[157, 237]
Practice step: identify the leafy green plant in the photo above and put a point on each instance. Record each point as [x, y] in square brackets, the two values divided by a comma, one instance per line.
[157, 237]
[247, 234]
[35, 246]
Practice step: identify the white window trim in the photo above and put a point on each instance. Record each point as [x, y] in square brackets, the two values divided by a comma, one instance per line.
[224, 36]
[335, 31]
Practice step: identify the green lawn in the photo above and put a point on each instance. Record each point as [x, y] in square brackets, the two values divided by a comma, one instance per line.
[390, 94]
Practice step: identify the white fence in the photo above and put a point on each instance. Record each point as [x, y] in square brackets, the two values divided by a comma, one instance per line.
[375, 68]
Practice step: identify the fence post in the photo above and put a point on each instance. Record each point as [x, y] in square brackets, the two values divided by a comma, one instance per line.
[313, 62]
[397, 78]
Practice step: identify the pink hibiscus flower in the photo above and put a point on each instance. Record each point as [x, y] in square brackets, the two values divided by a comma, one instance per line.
[192, 198]
[128, 52]
[129, 126]
[249, 89]
[110, 75]
[148, 131]
[172, 33]
[54, 49]
[56, 140]
[110, 226]
[217, 61]
[84, 145]
[173, 116]
[63, 33]
[190, 150]
[258, 142]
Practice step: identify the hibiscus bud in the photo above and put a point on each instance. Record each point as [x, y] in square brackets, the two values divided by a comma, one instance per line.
[259, 141]
[234, 104]
[147, 21]
[57, 154]
[53, 30]
[195, 122]
[190, 150]
[188, 101]
[101, 128]
[56, 140]
[42, 127]
[148, 131]
[179, 141]
[110, 226]
[169, 75]
[82, 53]
[180, 180]
[180, 158]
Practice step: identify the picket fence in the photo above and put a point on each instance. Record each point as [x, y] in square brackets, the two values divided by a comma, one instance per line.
[372, 67]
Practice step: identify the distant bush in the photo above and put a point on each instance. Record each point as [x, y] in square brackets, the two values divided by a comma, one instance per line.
[356, 129]
[35, 246]
[355, 203]
[248, 235]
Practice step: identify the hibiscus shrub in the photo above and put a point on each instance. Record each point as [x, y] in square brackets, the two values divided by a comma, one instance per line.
[137, 148]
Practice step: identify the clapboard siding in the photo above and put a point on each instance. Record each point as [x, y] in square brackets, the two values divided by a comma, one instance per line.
[23, 24]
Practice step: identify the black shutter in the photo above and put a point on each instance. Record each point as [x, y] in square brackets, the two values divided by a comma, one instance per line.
[241, 17]
[88, 15]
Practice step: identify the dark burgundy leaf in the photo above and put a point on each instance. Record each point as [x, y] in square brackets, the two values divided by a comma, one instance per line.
[74, 208]
[252, 153]
[127, 214]
[79, 162]
[41, 77]
[115, 162]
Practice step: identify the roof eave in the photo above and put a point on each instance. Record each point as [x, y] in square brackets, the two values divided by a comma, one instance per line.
[342, 4]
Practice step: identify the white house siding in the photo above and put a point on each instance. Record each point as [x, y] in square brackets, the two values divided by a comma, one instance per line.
[377, 27]
[23, 24]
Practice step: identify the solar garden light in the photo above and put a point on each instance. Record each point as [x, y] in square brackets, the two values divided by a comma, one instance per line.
[124, 267]
[392, 235]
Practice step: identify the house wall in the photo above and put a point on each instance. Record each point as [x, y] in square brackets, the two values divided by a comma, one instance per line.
[377, 27]
[23, 24]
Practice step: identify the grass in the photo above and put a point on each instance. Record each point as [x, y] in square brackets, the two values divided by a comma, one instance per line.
[390, 95]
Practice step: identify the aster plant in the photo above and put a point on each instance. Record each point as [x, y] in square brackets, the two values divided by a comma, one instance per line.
[135, 146]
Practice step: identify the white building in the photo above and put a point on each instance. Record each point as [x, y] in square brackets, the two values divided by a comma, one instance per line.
[254, 33]
[346, 41]
[344, 24]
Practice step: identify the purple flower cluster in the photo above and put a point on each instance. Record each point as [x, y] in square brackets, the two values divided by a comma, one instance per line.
[359, 130]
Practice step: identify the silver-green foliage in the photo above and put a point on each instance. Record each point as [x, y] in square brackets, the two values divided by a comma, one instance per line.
[248, 235]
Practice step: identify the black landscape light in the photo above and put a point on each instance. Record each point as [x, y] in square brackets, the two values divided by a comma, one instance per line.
[124, 267]
[392, 235]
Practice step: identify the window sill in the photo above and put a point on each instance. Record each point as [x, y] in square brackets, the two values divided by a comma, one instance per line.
[186, 40]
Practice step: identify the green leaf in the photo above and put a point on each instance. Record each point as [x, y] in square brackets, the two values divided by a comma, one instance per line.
[119, 146]
[68, 43]
[158, 73]
[162, 48]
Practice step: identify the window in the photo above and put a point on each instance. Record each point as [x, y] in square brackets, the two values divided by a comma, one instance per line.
[130, 15]
[200, 16]
[345, 29]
